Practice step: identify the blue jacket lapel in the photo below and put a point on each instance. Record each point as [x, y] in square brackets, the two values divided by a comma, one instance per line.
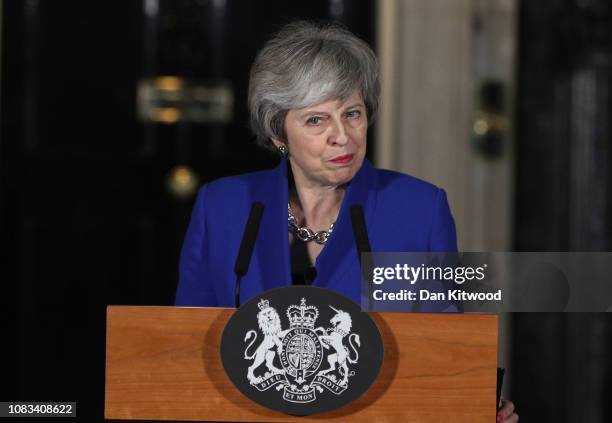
[340, 252]
[272, 246]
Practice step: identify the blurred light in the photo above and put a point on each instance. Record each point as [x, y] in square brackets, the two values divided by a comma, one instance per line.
[336, 8]
[219, 4]
[169, 99]
[165, 115]
[182, 182]
[481, 126]
[151, 7]
[168, 83]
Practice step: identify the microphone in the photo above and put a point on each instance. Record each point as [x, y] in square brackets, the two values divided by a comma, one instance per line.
[363, 245]
[246, 246]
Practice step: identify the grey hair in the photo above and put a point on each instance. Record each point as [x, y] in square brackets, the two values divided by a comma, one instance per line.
[306, 64]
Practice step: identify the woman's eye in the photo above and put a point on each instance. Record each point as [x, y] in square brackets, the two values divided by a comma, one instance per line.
[314, 120]
[353, 114]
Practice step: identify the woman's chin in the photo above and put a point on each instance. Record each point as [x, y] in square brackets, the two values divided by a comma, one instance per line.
[342, 176]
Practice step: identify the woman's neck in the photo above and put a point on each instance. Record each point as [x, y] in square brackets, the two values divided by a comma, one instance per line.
[314, 205]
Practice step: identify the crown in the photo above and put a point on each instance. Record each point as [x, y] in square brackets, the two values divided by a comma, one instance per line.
[263, 304]
[302, 315]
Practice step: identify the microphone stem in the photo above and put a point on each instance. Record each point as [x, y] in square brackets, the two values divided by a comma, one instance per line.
[237, 292]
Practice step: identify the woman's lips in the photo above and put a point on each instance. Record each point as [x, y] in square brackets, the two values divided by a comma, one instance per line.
[347, 158]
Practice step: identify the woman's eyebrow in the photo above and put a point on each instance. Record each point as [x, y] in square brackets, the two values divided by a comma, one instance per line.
[354, 105]
[320, 112]
[312, 112]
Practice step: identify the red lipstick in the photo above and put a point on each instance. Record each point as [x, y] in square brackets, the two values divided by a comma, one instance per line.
[342, 159]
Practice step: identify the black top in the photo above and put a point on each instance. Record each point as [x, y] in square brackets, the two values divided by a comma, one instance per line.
[302, 270]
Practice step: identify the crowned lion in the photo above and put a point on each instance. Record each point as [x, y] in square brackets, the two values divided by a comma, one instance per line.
[270, 325]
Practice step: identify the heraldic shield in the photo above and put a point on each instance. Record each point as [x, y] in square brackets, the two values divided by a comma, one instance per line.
[301, 350]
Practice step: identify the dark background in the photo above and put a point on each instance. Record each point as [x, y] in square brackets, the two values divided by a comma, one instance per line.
[86, 218]
[562, 363]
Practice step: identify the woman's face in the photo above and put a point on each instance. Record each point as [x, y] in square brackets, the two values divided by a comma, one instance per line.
[327, 141]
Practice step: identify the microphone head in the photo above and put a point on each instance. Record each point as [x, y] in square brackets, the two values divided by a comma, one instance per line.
[257, 209]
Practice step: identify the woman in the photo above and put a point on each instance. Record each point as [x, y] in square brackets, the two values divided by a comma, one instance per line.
[313, 92]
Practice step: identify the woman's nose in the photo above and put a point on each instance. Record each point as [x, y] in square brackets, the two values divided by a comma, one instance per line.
[338, 134]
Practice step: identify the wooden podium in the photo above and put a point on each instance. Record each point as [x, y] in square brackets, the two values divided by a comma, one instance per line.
[163, 363]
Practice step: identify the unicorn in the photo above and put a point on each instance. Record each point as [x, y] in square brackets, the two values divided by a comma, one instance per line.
[333, 337]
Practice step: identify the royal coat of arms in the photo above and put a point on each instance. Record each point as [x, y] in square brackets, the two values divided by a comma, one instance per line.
[303, 359]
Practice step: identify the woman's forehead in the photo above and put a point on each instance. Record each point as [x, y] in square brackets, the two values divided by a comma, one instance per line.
[354, 99]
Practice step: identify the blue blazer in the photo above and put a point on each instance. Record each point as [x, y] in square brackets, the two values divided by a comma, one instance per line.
[402, 214]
